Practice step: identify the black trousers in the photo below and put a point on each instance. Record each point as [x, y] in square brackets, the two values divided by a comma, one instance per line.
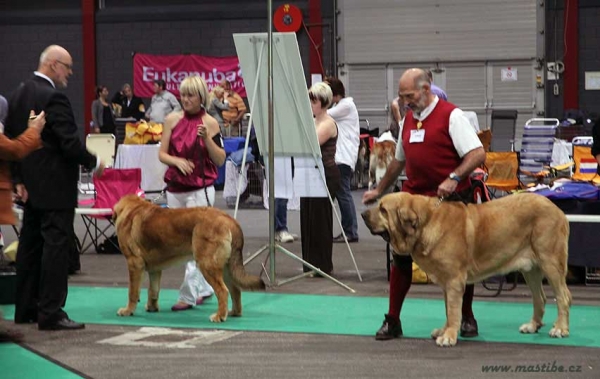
[45, 244]
[316, 225]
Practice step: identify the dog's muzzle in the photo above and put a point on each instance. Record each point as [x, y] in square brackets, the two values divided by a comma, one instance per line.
[383, 233]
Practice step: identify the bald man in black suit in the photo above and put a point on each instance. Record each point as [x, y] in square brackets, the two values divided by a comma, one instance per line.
[46, 181]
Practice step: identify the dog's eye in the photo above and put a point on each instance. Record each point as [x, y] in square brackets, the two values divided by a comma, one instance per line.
[382, 210]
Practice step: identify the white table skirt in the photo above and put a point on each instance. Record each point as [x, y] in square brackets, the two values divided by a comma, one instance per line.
[146, 158]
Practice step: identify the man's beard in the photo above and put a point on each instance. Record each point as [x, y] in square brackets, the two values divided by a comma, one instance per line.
[420, 106]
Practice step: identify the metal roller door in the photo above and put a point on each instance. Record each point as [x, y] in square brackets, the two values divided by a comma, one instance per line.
[368, 86]
[519, 94]
[466, 42]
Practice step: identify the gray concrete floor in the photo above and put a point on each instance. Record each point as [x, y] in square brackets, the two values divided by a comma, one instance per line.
[281, 355]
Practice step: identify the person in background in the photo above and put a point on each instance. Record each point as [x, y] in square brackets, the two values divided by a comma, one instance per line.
[435, 89]
[102, 112]
[282, 234]
[217, 104]
[316, 213]
[397, 114]
[131, 105]
[12, 150]
[232, 117]
[46, 182]
[439, 149]
[163, 102]
[345, 115]
[192, 148]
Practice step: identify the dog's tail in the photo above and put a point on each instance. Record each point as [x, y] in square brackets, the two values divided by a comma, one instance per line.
[236, 266]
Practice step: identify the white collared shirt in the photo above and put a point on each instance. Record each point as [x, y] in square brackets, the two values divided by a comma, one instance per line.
[345, 115]
[37, 73]
[461, 132]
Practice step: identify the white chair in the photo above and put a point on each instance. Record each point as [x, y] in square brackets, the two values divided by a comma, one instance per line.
[537, 145]
[103, 145]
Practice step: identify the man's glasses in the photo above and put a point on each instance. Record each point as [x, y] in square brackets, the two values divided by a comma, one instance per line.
[67, 66]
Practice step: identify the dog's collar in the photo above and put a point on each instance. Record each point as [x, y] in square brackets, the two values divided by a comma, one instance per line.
[441, 198]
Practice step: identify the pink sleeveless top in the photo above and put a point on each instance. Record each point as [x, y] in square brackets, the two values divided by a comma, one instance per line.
[185, 143]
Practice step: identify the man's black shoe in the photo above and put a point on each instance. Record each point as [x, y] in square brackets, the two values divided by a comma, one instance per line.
[26, 319]
[62, 324]
[340, 239]
[389, 330]
[468, 328]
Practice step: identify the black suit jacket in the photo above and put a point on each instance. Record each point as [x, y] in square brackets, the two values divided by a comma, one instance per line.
[136, 108]
[49, 174]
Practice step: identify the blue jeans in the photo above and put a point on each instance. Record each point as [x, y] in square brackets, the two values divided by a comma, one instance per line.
[346, 203]
[281, 214]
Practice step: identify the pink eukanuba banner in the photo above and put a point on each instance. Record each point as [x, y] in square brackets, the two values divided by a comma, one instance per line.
[173, 69]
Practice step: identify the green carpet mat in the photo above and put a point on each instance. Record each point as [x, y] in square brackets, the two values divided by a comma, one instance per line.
[20, 363]
[348, 315]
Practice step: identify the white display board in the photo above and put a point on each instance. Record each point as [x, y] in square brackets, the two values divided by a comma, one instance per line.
[294, 127]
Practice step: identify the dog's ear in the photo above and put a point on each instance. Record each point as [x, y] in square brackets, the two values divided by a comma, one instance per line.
[407, 219]
[398, 211]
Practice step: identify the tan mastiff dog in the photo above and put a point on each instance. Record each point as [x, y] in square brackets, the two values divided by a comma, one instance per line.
[456, 244]
[153, 238]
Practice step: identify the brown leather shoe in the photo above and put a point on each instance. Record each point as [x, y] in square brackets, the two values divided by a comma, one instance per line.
[390, 329]
[468, 328]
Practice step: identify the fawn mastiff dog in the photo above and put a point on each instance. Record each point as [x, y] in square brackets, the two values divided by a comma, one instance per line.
[456, 244]
[381, 156]
[153, 238]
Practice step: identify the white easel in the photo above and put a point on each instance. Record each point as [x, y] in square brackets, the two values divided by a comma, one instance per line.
[293, 115]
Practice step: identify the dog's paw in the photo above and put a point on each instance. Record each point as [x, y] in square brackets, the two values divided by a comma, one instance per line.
[435, 333]
[216, 318]
[530, 328]
[558, 332]
[234, 313]
[151, 309]
[445, 341]
[124, 312]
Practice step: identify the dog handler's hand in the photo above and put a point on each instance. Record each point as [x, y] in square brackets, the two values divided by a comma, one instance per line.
[447, 188]
[21, 193]
[370, 196]
[202, 132]
[98, 173]
[186, 167]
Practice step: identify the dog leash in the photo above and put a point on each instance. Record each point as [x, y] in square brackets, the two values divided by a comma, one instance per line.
[200, 157]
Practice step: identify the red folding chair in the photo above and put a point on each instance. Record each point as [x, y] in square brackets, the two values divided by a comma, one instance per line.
[109, 189]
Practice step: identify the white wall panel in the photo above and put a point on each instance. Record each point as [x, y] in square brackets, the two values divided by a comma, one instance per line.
[368, 86]
[467, 41]
[433, 30]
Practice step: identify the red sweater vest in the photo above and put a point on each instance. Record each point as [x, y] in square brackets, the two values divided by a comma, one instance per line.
[429, 163]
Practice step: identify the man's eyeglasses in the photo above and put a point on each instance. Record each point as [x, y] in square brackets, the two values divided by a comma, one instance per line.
[67, 66]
